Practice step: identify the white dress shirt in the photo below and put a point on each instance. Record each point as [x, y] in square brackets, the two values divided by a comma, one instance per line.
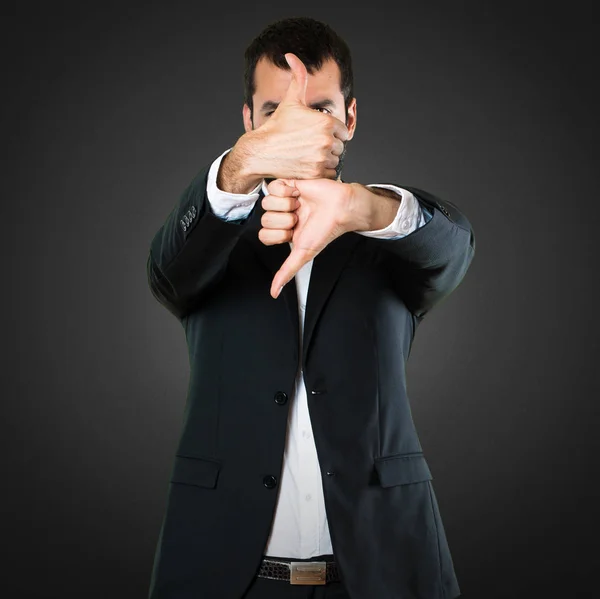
[300, 528]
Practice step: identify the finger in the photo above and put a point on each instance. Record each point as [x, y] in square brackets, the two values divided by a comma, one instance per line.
[332, 161]
[277, 204]
[338, 147]
[279, 220]
[275, 236]
[281, 188]
[329, 173]
[339, 129]
[295, 261]
[296, 92]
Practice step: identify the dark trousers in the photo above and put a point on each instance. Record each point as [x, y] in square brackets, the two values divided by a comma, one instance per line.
[267, 588]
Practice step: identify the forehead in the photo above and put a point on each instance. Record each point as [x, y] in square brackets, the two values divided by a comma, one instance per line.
[271, 82]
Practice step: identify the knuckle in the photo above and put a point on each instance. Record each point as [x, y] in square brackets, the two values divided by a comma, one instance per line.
[330, 124]
[325, 131]
[281, 186]
[326, 119]
[315, 171]
[324, 142]
[323, 164]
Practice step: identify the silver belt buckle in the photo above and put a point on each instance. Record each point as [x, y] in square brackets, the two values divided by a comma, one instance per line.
[308, 572]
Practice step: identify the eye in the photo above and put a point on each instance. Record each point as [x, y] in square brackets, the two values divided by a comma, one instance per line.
[320, 108]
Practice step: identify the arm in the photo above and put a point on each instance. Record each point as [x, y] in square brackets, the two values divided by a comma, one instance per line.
[189, 253]
[428, 263]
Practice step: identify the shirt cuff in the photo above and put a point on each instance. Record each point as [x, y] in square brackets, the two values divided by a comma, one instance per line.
[226, 205]
[408, 218]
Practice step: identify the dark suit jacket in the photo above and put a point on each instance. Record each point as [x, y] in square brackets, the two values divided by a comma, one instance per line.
[365, 301]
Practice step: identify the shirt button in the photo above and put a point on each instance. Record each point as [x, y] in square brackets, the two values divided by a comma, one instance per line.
[406, 223]
[308, 497]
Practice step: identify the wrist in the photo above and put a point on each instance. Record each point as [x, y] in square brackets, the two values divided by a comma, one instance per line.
[251, 146]
[374, 208]
[236, 174]
[360, 208]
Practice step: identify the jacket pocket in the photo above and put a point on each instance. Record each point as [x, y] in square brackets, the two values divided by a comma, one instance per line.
[402, 469]
[201, 472]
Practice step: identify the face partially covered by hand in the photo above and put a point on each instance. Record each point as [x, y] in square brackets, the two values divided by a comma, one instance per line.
[305, 136]
[309, 213]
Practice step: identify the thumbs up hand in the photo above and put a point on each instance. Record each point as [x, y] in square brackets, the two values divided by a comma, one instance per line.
[297, 142]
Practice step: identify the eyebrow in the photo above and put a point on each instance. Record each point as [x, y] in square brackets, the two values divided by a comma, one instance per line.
[270, 105]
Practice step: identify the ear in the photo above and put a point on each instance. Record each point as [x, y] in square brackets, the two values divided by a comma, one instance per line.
[246, 117]
[351, 118]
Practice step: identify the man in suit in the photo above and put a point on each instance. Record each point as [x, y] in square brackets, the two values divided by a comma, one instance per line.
[299, 472]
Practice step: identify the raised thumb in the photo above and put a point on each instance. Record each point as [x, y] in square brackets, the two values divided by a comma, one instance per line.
[296, 92]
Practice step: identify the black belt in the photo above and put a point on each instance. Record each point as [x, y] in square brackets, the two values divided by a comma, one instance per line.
[317, 572]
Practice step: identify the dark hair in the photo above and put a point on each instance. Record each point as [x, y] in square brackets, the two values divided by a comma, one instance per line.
[311, 41]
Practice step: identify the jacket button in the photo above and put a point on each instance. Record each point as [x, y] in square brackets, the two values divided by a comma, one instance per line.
[269, 481]
[281, 397]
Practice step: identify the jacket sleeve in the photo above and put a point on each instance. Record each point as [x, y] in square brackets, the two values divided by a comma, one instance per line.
[429, 263]
[189, 253]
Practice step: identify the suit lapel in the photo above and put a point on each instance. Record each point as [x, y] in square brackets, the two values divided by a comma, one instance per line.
[325, 272]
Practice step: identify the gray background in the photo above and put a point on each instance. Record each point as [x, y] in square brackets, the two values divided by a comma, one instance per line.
[110, 112]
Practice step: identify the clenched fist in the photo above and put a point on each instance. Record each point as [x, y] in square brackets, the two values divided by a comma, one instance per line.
[280, 217]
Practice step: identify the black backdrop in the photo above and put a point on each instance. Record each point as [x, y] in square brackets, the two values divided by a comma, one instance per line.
[108, 114]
